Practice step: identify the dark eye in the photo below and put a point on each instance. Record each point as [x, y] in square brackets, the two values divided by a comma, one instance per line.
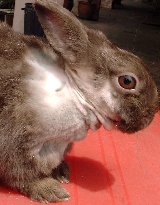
[127, 82]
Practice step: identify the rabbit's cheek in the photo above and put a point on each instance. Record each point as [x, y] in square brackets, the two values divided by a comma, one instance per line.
[109, 102]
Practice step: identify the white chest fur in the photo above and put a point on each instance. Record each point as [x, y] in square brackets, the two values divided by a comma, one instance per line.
[48, 79]
[51, 98]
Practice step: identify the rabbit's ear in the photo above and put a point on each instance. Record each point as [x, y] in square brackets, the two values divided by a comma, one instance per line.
[64, 32]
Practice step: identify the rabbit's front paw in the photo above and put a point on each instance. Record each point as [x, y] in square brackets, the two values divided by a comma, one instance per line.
[47, 190]
[62, 173]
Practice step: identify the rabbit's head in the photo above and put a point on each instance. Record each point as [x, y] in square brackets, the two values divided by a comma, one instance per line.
[112, 82]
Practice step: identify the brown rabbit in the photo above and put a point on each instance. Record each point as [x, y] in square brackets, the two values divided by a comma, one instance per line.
[53, 91]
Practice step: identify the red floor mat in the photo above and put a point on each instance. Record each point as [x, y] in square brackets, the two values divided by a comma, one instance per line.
[110, 168]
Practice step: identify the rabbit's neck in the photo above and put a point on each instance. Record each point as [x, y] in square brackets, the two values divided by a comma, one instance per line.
[51, 90]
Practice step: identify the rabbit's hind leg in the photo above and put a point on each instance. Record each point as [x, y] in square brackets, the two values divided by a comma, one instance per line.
[47, 190]
[61, 173]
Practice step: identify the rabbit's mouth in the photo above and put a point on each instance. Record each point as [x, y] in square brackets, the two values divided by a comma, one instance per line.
[109, 123]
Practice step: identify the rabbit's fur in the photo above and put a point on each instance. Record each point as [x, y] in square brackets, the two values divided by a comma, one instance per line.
[52, 91]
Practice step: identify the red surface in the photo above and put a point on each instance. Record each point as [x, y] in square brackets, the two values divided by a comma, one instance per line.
[110, 168]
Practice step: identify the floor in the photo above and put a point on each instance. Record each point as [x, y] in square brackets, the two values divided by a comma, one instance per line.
[110, 167]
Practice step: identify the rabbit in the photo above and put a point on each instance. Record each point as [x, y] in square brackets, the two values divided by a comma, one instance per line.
[54, 89]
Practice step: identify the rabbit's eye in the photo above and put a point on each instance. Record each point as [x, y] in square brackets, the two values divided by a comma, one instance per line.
[127, 82]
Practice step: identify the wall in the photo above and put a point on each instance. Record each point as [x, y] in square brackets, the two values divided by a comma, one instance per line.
[18, 21]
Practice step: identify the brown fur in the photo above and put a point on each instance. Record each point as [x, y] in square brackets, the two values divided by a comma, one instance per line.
[52, 91]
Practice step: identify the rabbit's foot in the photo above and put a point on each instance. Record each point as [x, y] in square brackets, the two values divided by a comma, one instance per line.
[47, 190]
[61, 173]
